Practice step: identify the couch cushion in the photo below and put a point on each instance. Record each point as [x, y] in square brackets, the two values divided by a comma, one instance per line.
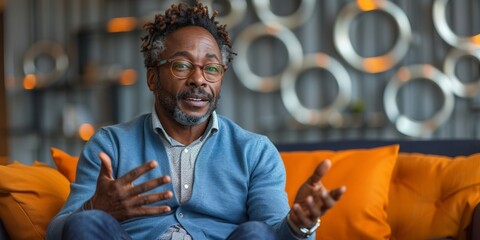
[442, 147]
[433, 196]
[366, 173]
[66, 164]
[30, 196]
[3, 160]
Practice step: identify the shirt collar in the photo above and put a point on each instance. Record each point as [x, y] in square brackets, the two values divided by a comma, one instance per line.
[157, 126]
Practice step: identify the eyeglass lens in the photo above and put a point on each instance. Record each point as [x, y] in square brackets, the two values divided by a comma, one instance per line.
[183, 69]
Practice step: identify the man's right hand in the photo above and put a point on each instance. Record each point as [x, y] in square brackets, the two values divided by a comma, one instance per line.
[121, 199]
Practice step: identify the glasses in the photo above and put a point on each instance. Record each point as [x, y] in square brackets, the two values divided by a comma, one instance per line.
[182, 69]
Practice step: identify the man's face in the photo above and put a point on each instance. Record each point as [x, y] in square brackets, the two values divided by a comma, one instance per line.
[188, 101]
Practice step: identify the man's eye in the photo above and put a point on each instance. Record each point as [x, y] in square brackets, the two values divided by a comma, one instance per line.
[212, 69]
[182, 66]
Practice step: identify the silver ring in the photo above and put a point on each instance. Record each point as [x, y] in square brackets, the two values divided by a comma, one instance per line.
[375, 64]
[247, 37]
[238, 8]
[310, 116]
[468, 90]
[446, 33]
[299, 17]
[403, 123]
[50, 49]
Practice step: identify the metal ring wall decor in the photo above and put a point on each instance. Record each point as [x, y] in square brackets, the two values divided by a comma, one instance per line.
[254, 32]
[468, 90]
[315, 116]
[51, 49]
[375, 64]
[444, 30]
[238, 8]
[299, 17]
[403, 123]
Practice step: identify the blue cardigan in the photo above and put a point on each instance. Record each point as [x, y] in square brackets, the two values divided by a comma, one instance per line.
[239, 177]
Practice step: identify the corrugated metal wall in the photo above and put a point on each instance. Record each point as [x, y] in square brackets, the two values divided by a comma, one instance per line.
[48, 116]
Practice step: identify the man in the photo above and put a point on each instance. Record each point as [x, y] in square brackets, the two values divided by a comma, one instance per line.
[210, 179]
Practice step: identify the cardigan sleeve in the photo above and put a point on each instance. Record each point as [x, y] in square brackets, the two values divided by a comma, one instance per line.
[267, 199]
[85, 182]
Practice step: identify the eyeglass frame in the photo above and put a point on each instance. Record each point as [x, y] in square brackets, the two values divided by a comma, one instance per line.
[171, 60]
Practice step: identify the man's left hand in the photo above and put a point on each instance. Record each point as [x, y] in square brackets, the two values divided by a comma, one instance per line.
[313, 199]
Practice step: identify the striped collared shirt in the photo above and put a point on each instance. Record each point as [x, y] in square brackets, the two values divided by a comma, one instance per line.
[182, 158]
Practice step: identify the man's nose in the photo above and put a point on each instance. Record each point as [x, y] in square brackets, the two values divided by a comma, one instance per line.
[197, 77]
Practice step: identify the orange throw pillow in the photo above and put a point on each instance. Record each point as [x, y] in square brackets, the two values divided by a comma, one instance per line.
[65, 163]
[361, 213]
[3, 160]
[433, 196]
[30, 196]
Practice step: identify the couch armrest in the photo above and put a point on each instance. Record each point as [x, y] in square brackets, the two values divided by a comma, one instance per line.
[474, 229]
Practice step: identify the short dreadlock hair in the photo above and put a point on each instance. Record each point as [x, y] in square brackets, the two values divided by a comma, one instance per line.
[178, 16]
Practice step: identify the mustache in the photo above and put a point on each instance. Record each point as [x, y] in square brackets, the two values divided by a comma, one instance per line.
[195, 92]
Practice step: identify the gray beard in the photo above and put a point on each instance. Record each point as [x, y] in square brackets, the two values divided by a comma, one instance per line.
[169, 103]
[187, 120]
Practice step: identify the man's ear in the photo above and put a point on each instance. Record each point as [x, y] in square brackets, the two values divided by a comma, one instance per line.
[151, 79]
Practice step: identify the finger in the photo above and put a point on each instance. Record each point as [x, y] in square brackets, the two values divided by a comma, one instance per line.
[300, 217]
[327, 201]
[320, 171]
[320, 203]
[294, 215]
[149, 185]
[338, 192]
[314, 208]
[106, 166]
[140, 211]
[151, 210]
[147, 199]
[130, 176]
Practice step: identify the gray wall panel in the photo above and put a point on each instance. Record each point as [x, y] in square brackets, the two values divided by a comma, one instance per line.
[35, 115]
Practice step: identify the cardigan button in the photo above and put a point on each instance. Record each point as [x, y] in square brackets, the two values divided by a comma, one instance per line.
[180, 215]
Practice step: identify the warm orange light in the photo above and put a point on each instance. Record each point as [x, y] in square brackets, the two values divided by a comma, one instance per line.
[322, 59]
[367, 5]
[86, 130]
[403, 74]
[123, 24]
[272, 29]
[476, 39]
[377, 64]
[267, 84]
[128, 77]
[428, 71]
[29, 81]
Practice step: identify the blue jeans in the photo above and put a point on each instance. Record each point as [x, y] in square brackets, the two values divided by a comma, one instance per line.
[95, 224]
[253, 230]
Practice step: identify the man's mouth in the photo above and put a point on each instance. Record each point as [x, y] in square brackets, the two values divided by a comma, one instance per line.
[196, 101]
[196, 98]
